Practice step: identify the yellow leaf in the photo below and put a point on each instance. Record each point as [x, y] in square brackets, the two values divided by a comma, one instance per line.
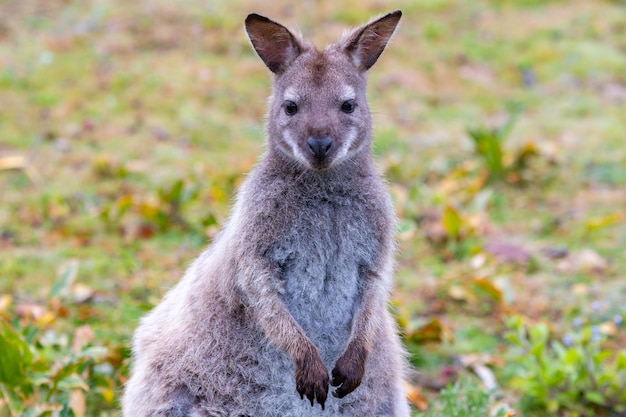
[45, 319]
[452, 222]
[108, 395]
[604, 221]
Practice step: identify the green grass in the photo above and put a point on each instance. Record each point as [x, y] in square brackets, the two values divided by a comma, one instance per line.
[113, 103]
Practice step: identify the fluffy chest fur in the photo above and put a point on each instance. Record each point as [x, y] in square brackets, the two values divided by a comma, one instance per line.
[320, 256]
[318, 230]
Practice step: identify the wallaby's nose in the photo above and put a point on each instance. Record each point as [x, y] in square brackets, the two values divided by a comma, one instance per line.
[320, 147]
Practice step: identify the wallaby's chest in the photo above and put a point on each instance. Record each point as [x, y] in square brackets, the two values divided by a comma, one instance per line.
[323, 238]
[320, 252]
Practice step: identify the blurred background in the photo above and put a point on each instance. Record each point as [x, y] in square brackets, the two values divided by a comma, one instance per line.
[126, 127]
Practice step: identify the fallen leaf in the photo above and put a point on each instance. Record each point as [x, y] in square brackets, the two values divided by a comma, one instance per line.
[415, 397]
[478, 362]
[486, 376]
[478, 261]
[452, 222]
[12, 162]
[82, 293]
[82, 337]
[46, 319]
[77, 403]
[429, 332]
[585, 260]
[29, 311]
[507, 252]
[19, 162]
[608, 328]
[489, 288]
[459, 293]
[604, 221]
[5, 302]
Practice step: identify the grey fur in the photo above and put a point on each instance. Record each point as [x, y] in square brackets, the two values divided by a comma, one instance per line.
[297, 282]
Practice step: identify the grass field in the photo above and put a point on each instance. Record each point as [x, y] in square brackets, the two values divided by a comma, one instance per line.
[126, 127]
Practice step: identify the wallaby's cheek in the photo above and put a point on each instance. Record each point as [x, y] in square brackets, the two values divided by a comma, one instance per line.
[349, 145]
[292, 147]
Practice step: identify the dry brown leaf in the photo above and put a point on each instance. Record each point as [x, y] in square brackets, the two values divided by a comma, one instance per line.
[415, 397]
[489, 288]
[433, 331]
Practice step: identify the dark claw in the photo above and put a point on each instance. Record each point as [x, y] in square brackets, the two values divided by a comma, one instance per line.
[344, 383]
[312, 379]
[338, 379]
[341, 391]
[322, 394]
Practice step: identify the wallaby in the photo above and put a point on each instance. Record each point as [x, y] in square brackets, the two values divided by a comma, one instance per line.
[291, 296]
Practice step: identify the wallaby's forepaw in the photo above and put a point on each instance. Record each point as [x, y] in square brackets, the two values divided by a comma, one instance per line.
[348, 373]
[312, 378]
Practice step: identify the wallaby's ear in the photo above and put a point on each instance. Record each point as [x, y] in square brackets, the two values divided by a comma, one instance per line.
[274, 43]
[365, 44]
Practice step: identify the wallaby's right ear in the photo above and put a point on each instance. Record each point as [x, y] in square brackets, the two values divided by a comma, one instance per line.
[365, 44]
[274, 43]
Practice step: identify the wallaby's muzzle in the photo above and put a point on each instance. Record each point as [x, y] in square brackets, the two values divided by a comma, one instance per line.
[320, 148]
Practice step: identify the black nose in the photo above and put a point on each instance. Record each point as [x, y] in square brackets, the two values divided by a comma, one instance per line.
[320, 147]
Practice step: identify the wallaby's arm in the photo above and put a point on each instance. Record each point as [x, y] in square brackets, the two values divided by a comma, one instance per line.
[350, 367]
[259, 281]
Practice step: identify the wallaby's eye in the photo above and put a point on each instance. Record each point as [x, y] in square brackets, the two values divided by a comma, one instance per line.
[291, 108]
[348, 106]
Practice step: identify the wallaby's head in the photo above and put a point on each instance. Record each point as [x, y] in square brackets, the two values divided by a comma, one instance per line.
[318, 112]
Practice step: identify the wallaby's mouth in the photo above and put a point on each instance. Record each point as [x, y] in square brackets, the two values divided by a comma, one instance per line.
[319, 164]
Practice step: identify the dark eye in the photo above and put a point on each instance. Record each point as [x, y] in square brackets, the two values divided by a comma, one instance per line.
[348, 106]
[291, 108]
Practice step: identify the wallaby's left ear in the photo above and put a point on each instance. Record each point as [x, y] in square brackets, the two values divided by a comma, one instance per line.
[274, 43]
[365, 44]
